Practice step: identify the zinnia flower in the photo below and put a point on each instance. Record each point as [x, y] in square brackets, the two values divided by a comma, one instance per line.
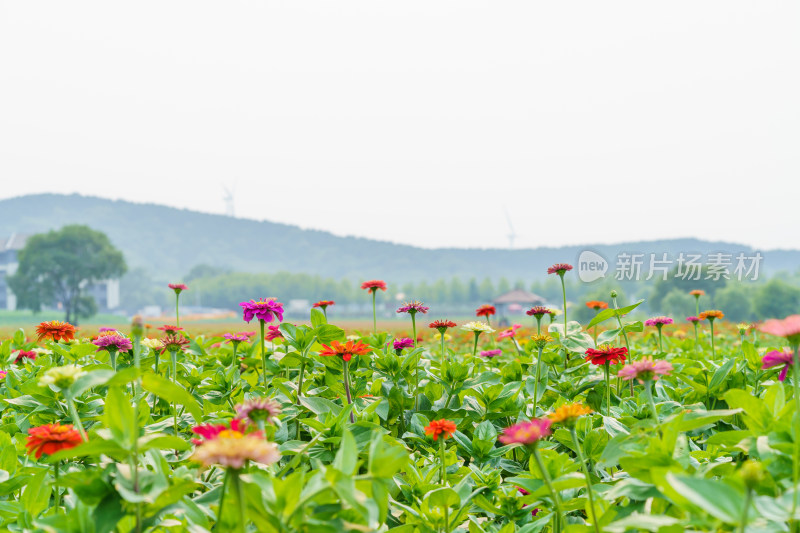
[413, 308]
[789, 328]
[56, 331]
[22, 354]
[345, 351]
[235, 451]
[442, 325]
[481, 327]
[485, 310]
[61, 376]
[645, 369]
[177, 287]
[51, 438]
[373, 285]
[658, 321]
[778, 357]
[606, 353]
[596, 305]
[528, 433]
[693, 319]
[539, 311]
[541, 340]
[3, 374]
[235, 429]
[697, 293]
[153, 344]
[568, 414]
[273, 332]
[105, 330]
[113, 343]
[400, 344]
[258, 409]
[443, 428]
[266, 310]
[236, 338]
[174, 343]
[324, 304]
[510, 332]
[559, 268]
[491, 353]
[711, 315]
[170, 330]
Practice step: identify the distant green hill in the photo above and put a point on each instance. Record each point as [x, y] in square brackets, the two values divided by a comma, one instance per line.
[168, 242]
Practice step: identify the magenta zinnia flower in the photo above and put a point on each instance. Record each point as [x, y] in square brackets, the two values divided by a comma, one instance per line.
[510, 332]
[170, 330]
[693, 319]
[491, 353]
[559, 268]
[539, 311]
[116, 343]
[413, 308]
[236, 338]
[775, 358]
[103, 330]
[22, 354]
[645, 369]
[526, 432]
[400, 344]
[266, 310]
[658, 321]
[177, 287]
[273, 332]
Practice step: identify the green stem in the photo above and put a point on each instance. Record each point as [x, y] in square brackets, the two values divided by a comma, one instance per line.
[553, 494]
[607, 368]
[237, 489]
[76, 420]
[222, 497]
[648, 389]
[263, 356]
[796, 427]
[564, 294]
[660, 340]
[233, 361]
[346, 374]
[582, 461]
[536, 383]
[747, 499]
[416, 367]
[443, 465]
[538, 324]
[713, 350]
[374, 314]
[112, 354]
[696, 337]
[173, 356]
[55, 487]
[177, 314]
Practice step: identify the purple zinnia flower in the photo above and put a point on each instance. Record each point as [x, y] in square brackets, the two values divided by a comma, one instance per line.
[262, 309]
[103, 330]
[413, 308]
[775, 358]
[693, 319]
[658, 321]
[400, 344]
[115, 343]
[491, 353]
[236, 338]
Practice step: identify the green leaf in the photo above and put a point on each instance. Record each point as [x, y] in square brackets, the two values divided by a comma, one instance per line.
[605, 314]
[118, 417]
[317, 317]
[328, 332]
[89, 380]
[164, 388]
[36, 497]
[714, 497]
[347, 455]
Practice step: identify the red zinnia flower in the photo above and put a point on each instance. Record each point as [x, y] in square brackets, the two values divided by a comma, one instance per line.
[606, 354]
[374, 284]
[485, 310]
[170, 330]
[56, 330]
[52, 438]
[445, 428]
[345, 351]
[173, 343]
[596, 305]
[22, 354]
[273, 332]
[559, 268]
[442, 325]
[324, 303]
[539, 311]
[235, 429]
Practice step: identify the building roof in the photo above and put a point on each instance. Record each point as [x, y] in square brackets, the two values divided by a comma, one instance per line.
[15, 242]
[519, 296]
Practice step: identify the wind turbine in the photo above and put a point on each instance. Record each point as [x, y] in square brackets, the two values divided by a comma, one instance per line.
[229, 200]
[511, 233]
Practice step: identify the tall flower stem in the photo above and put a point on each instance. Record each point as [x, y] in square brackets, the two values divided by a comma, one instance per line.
[112, 354]
[648, 390]
[536, 383]
[444, 354]
[564, 294]
[76, 420]
[624, 333]
[696, 337]
[607, 369]
[582, 460]
[56, 487]
[660, 340]
[713, 350]
[137, 384]
[263, 356]
[173, 357]
[538, 324]
[225, 483]
[374, 313]
[557, 516]
[346, 375]
[239, 492]
[796, 427]
[416, 367]
[233, 361]
[177, 312]
[443, 465]
[748, 497]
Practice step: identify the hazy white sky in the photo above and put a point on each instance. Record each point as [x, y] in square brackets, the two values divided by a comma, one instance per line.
[417, 121]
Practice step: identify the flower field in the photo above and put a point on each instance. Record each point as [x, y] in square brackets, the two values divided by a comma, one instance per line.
[667, 425]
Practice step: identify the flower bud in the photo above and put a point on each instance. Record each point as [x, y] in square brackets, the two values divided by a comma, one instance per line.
[613, 294]
[752, 474]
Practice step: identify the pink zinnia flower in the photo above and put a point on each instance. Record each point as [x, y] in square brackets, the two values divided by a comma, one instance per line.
[236, 338]
[22, 354]
[559, 268]
[526, 432]
[177, 287]
[266, 310]
[491, 353]
[170, 330]
[789, 328]
[113, 343]
[257, 409]
[3, 374]
[778, 357]
[413, 308]
[658, 321]
[539, 311]
[693, 319]
[212, 431]
[400, 344]
[645, 369]
[103, 330]
[374, 284]
[510, 332]
[273, 332]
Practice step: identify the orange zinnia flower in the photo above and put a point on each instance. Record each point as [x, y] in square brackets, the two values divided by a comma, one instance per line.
[711, 314]
[697, 293]
[345, 351]
[445, 428]
[596, 305]
[52, 438]
[56, 330]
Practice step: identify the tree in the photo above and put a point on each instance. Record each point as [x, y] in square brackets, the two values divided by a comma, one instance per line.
[776, 299]
[56, 267]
